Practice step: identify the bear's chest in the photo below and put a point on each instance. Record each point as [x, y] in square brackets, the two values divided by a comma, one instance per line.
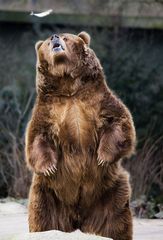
[74, 123]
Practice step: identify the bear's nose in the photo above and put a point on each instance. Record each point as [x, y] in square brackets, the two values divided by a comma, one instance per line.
[54, 37]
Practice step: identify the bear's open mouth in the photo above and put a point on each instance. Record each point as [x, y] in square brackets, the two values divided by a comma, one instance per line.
[57, 47]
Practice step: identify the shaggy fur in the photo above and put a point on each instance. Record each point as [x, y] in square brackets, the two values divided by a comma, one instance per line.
[77, 135]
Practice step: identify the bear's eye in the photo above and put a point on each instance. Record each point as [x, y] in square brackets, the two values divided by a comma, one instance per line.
[65, 39]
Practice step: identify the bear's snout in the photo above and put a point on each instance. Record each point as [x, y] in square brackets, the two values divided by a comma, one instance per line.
[57, 45]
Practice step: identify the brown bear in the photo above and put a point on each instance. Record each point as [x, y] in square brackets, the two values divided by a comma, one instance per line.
[78, 133]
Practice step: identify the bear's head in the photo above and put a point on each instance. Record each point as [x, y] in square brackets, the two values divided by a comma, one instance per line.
[66, 61]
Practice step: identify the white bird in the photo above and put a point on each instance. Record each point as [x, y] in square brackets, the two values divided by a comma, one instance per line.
[42, 14]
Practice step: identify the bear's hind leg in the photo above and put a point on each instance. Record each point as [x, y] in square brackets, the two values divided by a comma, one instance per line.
[102, 222]
[110, 216]
[42, 210]
[46, 211]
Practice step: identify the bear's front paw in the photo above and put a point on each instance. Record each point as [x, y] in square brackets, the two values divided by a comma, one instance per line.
[47, 162]
[47, 168]
[43, 156]
[104, 157]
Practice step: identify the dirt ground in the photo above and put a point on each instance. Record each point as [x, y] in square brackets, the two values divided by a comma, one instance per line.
[13, 220]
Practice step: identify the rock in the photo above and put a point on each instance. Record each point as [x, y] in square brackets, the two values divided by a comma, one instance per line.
[57, 235]
[159, 215]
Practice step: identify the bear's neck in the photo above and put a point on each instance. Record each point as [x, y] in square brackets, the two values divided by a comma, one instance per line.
[68, 86]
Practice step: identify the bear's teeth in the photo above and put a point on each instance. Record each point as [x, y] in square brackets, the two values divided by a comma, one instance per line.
[58, 48]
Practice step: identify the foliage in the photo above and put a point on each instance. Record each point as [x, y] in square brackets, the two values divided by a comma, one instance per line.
[13, 111]
[146, 169]
[144, 207]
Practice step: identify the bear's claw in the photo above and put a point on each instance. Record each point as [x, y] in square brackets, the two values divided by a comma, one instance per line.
[101, 161]
[50, 170]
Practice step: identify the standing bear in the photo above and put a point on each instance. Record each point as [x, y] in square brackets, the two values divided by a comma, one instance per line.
[78, 133]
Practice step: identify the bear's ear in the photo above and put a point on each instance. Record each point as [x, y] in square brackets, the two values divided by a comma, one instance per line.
[38, 45]
[85, 36]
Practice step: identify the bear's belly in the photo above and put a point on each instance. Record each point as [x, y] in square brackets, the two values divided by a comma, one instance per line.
[77, 183]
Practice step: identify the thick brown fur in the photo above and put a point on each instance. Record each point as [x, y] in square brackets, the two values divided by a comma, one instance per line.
[75, 140]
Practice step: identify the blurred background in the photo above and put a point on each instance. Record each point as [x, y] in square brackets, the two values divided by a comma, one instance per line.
[127, 36]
